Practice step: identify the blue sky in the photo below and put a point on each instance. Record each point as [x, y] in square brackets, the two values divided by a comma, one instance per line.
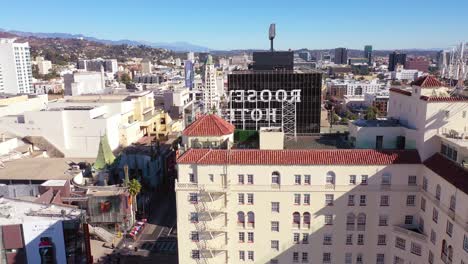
[243, 24]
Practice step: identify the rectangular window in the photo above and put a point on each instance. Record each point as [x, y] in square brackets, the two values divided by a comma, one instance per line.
[411, 200]
[307, 179]
[192, 178]
[449, 228]
[242, 255]
[195, 254]
[362, 200]
[465, 243]
[400, 243]
[296, 238]
[193, 217]
[241, 237]
[359, 258]
[430, 257]
[328, 219]
[348, 258]
[350, 200]
[251, 255]
[415, 249]
[364, 179]
[250, 179]
[327, 239]
[240, 198]
[326, 258]
[295, 257]
[360, 239]
[421, 224]
[240, 178]
[297, 179]
[384, 200]
[306, 199]
[250, 237]
[349, 239]
[425, 183]
[194, 236]
[329, 199]
[352, 179]
[275, 245]
[250, 198]
[305, 238]
[275, 207]
[409, 220]
[381, 240]
[433, 237]
[435, 215]
[193, 197]
[275, 226]
[305, 257]
[211, 176]
[380, 259]
[297, 199]
[412, 180]
[398, 260]
[383, 220]
[423, 204]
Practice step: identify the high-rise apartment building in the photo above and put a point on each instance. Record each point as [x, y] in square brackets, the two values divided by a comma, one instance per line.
[210, 91]
[404, 204]
[395, 58]
[341, 56]
[15, 67]
[368, 53]
[420, 64]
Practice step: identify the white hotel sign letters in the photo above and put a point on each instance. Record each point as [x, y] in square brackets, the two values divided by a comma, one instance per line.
[252, 97]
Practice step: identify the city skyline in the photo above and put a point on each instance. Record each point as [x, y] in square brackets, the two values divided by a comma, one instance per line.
[221, 26]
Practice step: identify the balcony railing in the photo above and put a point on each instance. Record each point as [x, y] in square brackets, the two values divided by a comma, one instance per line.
[408, 230]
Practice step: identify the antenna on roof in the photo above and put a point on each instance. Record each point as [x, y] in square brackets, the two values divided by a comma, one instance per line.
[271, 35]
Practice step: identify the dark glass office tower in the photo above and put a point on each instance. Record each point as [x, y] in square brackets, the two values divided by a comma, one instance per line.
[341, 56]
[256, 96]
[394, 59]
[276, 60]
[368, 53]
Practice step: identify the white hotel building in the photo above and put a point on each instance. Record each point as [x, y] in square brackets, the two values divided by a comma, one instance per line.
[358, 206]
[15, 67]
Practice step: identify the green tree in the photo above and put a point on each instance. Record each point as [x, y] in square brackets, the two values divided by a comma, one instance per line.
[372, 113]
[134, 187]
[125, 78]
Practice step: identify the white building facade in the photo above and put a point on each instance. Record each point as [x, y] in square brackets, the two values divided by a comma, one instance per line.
[15, 67]
[210, 90]
[354, 206]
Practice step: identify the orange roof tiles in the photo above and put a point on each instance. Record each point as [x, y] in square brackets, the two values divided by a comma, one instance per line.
[299, 157]
[427, 81]
[209, 125]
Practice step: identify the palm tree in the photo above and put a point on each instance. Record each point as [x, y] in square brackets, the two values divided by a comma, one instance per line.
[134, 188]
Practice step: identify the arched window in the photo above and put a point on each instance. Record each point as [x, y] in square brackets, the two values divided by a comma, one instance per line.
[350, 221]
[330, 177]
[275, 178]
[361, 222]
[240, 217]
[296, 219]
[386, 179]
[306, 219]
[251, 218]
[438, 192]
[444, 249]
[450, 253]
[453, 202]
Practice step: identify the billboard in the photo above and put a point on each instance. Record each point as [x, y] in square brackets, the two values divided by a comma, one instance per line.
[189, 74]
[44, 242]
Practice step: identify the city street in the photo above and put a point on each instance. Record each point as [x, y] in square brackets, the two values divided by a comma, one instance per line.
[158, 241]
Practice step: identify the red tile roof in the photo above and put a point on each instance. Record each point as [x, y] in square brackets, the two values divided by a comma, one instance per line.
[449, 170]
[209, 125]
[400, 91]
[444, 98]
[427, 81]
[299, 157]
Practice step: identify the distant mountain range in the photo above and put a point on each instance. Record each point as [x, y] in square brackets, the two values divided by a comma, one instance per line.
[179, 46]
